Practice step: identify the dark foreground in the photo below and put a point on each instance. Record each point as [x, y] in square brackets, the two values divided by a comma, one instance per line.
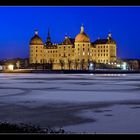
[6, 127]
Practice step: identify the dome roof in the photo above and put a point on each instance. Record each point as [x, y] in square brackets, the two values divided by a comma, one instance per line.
[36, 40]
[82, 36]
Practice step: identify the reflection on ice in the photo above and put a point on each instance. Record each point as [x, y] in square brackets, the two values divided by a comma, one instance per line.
[111, 75]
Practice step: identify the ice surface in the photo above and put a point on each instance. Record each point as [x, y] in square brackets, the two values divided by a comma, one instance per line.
[73, 101]
[115, 119]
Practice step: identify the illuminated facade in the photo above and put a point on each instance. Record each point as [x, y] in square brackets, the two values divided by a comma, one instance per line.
[72, 53]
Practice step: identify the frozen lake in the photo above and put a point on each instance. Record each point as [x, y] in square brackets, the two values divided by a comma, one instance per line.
[79, 103]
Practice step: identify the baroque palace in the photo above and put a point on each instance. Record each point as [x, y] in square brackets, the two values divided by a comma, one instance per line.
[74, 54]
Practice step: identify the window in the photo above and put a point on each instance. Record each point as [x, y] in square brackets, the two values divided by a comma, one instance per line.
[83, 49]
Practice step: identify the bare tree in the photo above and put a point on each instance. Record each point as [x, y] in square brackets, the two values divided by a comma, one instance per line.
[62, 63]
[51, 61]
[82, 63]
[69, 63]
[94, 64]
[89, 63]
[76, 63]
[18, 64]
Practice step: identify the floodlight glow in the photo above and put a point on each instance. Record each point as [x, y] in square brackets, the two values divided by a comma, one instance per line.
[118, 65]
[91, 65]
[11, 67]
[0, 67]
[124, 66]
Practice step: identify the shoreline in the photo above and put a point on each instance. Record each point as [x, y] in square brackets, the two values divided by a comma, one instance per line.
[74, 71]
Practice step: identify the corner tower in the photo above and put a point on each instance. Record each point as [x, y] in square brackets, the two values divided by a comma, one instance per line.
[36, 49]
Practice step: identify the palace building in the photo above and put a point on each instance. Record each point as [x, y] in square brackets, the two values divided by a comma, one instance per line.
[74, 54]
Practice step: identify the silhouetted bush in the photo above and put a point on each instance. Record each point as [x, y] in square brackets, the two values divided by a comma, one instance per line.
[6, 127]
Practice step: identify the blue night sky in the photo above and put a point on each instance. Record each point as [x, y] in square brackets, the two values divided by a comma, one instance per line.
[17, 26]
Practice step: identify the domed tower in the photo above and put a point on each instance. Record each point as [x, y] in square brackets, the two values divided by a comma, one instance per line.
[82, 49]
[36, 49]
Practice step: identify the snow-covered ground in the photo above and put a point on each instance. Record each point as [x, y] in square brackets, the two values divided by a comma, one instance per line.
[101, 103]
